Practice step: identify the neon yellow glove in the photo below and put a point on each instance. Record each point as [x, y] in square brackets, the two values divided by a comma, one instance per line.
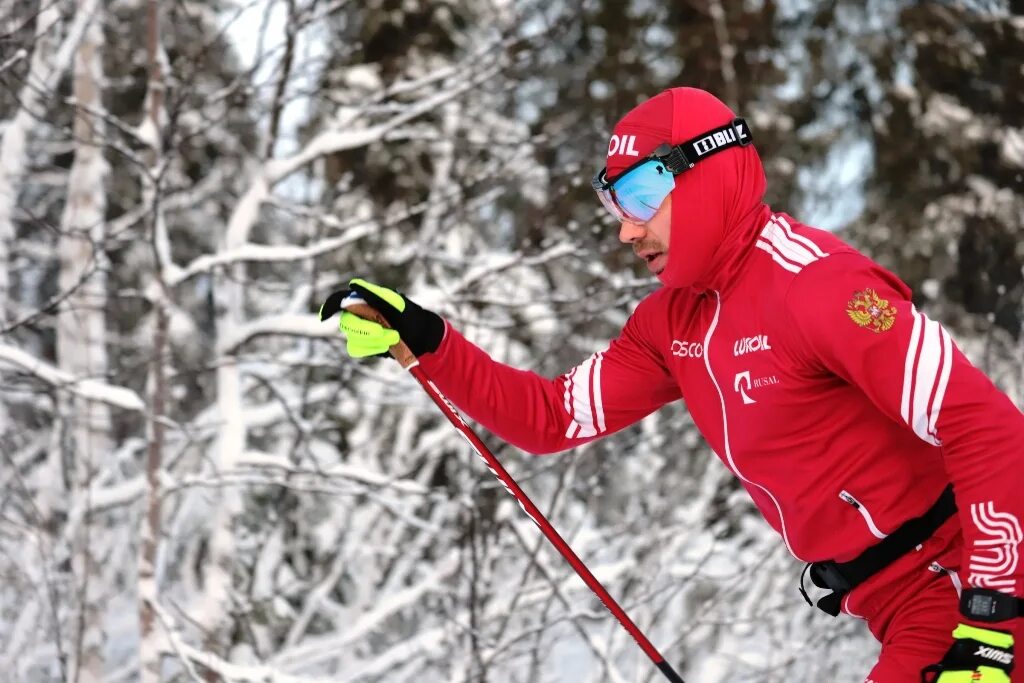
[420, 329]
[365, 338]
[978, 655]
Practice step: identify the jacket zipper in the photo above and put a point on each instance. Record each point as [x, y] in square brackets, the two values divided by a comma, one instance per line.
[864, 512]
[725, 426]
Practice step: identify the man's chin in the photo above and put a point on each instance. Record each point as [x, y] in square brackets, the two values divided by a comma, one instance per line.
[661, 268]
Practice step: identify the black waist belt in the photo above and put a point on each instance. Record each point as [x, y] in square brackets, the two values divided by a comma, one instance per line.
[843, 577]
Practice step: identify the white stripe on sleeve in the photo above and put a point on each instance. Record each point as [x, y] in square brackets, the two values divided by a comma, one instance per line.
[598, 400]
[581, 412]
[571, 429]
[929, 368]
[908, 366]
[940, 392]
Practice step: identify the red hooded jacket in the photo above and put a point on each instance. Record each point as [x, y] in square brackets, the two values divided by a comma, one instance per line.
[842, 409]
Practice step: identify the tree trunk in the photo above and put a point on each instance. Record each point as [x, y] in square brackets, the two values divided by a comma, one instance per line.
[13, 160]
[149, 543]
[151, 524]
[81, 335]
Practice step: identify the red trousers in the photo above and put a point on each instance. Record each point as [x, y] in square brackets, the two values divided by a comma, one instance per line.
[912, 609]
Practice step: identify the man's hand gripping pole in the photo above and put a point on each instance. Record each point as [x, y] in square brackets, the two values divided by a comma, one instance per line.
[400, 352]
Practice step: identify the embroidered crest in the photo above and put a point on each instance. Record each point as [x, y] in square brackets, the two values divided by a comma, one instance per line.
[869, 310]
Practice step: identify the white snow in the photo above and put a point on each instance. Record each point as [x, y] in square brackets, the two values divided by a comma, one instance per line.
[944, 114]
[91, 389]
[319, 509]
[1011, 147]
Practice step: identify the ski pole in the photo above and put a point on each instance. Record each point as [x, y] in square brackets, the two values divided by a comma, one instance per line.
[409, 362]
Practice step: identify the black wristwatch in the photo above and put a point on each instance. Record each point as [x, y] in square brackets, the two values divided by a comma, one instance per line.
[987, 605]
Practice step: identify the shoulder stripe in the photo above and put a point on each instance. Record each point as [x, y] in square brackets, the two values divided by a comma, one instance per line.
[908, 365]
[765, 246]
[799, 238]
[940, 390]
[925, 376]
[788, 249]
[929, 362]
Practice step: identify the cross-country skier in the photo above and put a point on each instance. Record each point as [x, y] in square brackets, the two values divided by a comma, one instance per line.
[885, 459]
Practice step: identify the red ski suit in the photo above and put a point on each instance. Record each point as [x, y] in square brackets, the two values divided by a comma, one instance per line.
[842, 409]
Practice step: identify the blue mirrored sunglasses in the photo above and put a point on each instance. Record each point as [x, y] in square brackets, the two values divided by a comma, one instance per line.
[635, 194]
[638, 192]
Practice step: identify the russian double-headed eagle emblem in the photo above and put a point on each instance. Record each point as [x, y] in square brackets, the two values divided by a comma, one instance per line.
[869, 310]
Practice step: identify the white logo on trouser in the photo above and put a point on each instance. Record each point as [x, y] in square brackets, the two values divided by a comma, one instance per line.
[996, 552]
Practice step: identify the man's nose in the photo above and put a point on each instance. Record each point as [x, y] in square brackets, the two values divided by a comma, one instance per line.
[631, 232]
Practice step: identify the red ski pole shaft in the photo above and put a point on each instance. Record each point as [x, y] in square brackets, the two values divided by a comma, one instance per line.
[405, 357]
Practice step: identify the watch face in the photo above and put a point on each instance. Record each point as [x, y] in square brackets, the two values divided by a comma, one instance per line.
[988, 605]
[980, 606]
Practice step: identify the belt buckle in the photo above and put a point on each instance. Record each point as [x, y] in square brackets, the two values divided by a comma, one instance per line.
[827, 575]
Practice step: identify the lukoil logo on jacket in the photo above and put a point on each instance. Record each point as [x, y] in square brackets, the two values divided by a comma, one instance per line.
[751, 344]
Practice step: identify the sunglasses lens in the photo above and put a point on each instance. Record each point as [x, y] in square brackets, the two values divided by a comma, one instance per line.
[636, 196]
[641, 191]
[609, 203]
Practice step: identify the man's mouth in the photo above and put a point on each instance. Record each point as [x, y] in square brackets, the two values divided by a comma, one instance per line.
[655, 261]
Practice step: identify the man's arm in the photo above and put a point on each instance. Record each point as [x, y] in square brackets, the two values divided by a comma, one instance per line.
[606, 392]
[857, 320]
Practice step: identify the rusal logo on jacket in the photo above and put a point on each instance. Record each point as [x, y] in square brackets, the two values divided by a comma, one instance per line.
[751, 344]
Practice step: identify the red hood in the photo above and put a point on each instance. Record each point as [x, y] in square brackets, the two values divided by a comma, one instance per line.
[717, 206]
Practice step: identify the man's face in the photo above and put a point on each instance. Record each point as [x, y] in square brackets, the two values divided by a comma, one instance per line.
[650, 240]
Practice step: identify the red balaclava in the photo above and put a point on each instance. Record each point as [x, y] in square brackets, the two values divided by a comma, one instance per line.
[717, 207]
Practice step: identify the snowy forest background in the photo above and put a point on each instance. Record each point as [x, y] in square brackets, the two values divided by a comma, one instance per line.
[196, 483]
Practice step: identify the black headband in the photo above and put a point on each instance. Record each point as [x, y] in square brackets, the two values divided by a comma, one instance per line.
[685, 155]
[681, 157]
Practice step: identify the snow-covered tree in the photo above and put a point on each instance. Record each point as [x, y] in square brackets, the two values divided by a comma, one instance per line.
[196, 483]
